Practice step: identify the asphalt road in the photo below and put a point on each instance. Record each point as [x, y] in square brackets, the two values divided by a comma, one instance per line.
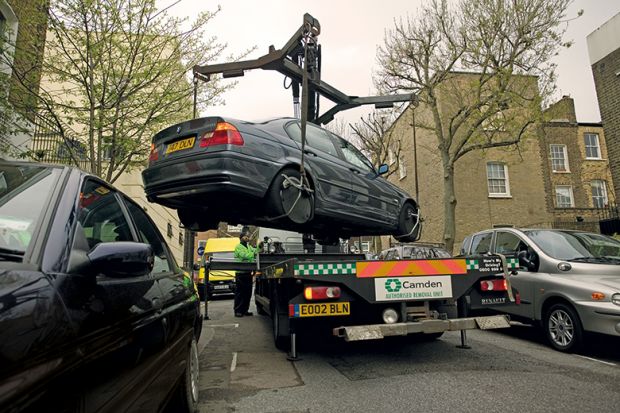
[508, 371]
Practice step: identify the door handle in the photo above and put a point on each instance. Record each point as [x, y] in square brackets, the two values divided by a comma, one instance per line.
[355, 171]
[309, 152]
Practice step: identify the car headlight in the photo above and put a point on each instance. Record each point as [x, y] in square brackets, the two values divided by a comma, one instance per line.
[615, 299]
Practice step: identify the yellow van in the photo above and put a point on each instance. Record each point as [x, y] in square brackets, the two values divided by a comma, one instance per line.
[220, 282]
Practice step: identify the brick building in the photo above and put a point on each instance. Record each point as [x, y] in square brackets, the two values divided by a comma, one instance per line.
[496, 187]
[559, 176]
[578, 177]
[604, 51]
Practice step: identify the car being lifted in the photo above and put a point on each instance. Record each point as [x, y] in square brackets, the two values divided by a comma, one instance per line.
[219, 169]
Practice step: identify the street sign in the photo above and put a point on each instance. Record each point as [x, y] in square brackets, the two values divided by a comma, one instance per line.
[200, 250]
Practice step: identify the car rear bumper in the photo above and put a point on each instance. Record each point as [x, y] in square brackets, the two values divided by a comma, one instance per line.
[218, 172]
[601, 318]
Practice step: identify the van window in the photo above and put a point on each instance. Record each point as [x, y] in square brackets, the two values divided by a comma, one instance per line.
[481, 243]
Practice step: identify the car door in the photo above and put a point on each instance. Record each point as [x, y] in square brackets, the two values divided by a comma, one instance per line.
[117, 319]
[178, 307]
[373, 196]
[509, 244]
[332, 174]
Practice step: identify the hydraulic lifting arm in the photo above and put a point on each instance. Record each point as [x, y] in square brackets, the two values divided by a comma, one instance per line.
[290, 62]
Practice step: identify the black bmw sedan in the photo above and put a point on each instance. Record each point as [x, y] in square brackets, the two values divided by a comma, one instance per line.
[95, 315]
[215, 169]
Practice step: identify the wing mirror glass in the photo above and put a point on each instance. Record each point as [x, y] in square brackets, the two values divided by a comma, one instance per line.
[383, 168]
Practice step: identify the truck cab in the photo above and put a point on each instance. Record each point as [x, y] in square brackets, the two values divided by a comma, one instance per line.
[220, 282]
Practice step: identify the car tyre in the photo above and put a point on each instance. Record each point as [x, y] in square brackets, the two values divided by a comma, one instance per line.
[563, 328]
[408, 223]
[186, 396]
[287, 201]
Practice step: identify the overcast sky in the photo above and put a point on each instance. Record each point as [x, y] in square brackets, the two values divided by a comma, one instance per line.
[351, 30]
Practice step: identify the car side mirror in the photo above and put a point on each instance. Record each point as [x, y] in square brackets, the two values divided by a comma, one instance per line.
[528, 259]
[121, 259]
[383, 168]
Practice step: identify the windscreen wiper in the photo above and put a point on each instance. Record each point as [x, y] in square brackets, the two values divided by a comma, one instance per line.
[595, 259]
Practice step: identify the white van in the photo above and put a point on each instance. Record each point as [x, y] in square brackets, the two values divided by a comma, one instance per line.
[289, 242]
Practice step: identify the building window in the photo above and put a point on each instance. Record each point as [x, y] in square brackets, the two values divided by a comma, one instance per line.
[599, 193]
[181, 235]
[559, 158]
[593, 149]
[497, 179]
[402, 169]
[169, 230]
[391, 157]
[8, 37]
[564, 196]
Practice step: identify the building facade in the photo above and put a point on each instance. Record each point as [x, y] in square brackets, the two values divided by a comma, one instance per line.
[559, 176]
[578, 175]
[495, 187]
[604, 51]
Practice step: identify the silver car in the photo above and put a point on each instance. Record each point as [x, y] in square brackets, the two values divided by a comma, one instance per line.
[569, 281]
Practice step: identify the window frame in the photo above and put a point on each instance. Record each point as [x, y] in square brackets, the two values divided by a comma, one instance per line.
[603, 188]
[564, 159]
[597, 146]
[506, 179]
[571, 196]
[402, 169]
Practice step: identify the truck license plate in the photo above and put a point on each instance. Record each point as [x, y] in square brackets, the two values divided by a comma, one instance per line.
[319, 309]
[220, 287]
[181, 145]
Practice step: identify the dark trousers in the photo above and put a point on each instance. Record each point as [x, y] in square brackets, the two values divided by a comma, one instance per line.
[243, 292]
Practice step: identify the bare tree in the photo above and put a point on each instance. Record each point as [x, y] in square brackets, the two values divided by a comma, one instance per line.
[505, 49]
[376, 137]
[116, 72]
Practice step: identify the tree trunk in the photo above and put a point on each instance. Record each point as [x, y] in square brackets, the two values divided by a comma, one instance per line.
[449, 204]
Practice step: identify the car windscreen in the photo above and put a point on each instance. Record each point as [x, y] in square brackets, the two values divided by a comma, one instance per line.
[575, 245]
[25, 192]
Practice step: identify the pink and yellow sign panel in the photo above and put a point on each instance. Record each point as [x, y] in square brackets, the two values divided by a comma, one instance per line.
[404, 268]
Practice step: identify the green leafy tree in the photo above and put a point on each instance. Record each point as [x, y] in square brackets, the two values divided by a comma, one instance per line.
[115, 73]
[481, 69]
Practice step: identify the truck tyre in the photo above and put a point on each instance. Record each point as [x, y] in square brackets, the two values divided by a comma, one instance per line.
[259, 308]
[281, 336]
[563, 328]
[287, 201]
[407, 221]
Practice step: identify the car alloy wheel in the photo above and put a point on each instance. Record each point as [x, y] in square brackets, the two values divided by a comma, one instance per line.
[291, 199]
[563, 328]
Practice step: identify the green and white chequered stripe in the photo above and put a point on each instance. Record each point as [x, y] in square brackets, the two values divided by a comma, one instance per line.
[512, 262]
[324, 269]
[472, 264]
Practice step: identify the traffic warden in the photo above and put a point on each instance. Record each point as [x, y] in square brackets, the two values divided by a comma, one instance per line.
[244, 252]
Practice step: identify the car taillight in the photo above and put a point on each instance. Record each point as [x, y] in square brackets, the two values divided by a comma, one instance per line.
[321, 293]
[494, 285]
[154, 153]
[224, 134]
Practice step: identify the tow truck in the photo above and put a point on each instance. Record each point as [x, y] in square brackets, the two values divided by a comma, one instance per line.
[359, 299]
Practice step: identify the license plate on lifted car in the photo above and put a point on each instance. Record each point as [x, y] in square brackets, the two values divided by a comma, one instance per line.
[181, 145]
[319, 309]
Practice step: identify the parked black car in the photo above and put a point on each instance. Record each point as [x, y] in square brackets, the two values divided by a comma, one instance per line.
[214, 169]
[95, 315]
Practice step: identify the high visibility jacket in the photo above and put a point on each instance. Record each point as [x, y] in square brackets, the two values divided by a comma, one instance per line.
[245, 253]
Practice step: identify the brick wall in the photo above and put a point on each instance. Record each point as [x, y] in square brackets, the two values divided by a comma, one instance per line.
[606, 74]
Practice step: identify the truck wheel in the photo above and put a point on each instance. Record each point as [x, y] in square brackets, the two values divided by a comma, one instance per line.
[259, 309]
[563, 328]
[286, 199]
[408, 226]
[281, 337]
